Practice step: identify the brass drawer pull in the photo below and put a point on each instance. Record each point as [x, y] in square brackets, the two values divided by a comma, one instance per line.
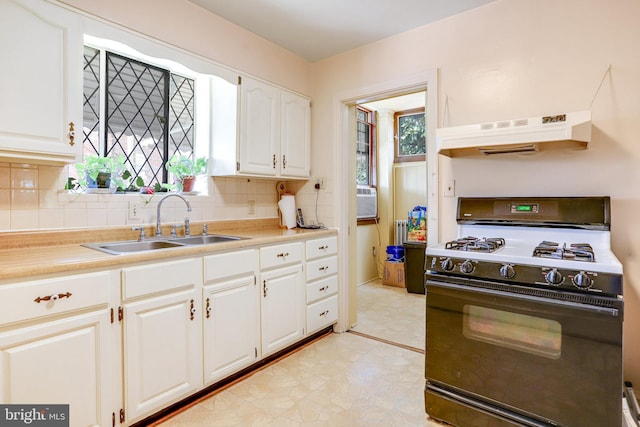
[324, 289]
[322, 248]
[192, 310]
[324, 313]
[325, 268]
[282, 255]
[53, 297]
[208, 309]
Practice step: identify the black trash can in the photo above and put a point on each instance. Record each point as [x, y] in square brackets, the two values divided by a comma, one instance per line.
[414, 266]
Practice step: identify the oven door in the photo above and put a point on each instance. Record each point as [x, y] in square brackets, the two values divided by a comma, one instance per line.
[556, 362]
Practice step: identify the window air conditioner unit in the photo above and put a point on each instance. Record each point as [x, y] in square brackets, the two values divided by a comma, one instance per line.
[367, 202]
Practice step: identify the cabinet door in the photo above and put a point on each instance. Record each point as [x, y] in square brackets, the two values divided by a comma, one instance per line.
[259, 128]
[163, 351]
[295, 135]
[40, 81]
[282, 306]
[231, 327]
[65, 361]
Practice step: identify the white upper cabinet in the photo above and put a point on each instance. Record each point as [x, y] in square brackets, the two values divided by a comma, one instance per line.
[258, 146]
[270, 135]
[40, 82]
[295, 135]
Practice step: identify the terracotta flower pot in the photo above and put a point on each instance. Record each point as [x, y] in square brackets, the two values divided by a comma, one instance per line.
[187, 183]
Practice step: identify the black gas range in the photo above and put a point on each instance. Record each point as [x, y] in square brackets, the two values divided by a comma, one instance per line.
[524, 313]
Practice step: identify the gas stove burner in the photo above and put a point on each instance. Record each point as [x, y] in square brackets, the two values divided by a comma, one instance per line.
[475, 244]
[575, 251]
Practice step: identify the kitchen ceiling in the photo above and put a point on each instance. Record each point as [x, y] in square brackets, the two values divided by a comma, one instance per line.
[316, 29]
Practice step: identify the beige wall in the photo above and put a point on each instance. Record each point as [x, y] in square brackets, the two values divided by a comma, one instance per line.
[183, 24]
[368, 264]
[515, 58]
[410, 187]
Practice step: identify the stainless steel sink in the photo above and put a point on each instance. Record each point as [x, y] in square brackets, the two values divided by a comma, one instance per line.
[128, 247]
[118, 248]
[205, 240]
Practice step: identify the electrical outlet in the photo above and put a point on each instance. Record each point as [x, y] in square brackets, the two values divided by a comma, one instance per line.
[252, 207]
[135, 211]
[322, 182]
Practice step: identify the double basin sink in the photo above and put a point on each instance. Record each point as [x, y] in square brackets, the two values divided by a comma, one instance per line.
[118, 248]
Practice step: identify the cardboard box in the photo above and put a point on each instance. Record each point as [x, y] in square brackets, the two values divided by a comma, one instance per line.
[393, 274]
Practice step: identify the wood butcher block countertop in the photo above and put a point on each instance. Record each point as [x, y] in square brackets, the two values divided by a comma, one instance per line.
[34, 253]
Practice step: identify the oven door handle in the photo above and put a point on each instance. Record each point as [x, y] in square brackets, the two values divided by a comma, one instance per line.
[593, 309]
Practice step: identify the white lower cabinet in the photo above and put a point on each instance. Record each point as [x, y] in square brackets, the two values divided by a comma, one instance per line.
[65, 356]
[231, 325]
[162, 335]
[282, 296]
[120, 345]
[322, 283]
[322, 313]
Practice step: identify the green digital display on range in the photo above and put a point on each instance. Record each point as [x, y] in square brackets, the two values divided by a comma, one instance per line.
[525, 208]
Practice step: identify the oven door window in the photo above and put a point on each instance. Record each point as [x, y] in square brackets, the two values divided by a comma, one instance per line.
[534, 335]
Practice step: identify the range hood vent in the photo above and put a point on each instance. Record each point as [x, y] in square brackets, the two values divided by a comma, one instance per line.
[523, 136]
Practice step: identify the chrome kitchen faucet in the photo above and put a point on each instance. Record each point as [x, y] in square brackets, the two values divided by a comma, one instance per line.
[159, 222]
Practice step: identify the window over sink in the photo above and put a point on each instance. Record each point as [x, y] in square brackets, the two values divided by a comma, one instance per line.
[141, 108]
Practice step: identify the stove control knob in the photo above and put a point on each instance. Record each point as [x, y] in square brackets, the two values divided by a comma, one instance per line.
[447, 264]
[554, 277]
[582, 281]
[507, 271]
[467, 267]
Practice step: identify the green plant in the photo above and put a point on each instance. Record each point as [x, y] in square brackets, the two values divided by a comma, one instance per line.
[181, 166]
[129, 184]
[93, 165]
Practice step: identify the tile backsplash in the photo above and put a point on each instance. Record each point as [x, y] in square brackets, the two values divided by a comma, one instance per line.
[32, 197]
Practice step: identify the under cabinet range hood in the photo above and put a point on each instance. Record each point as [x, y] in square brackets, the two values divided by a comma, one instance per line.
[530, 135]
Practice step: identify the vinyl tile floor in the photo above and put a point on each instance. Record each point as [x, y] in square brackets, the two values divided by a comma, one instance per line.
[392, 314]
[339, 380]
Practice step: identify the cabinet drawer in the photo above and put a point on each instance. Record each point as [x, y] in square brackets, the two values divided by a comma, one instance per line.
[317, 248]
[158, 278]
[322, 313]
[18, 302]
[279, 255]
[323, 267]
[322, 289]
[230, 264]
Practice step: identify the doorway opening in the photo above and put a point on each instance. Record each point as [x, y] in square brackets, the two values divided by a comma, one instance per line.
[345, 196]
[385, 312]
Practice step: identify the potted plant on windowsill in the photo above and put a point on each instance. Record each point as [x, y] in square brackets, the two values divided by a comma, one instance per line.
[101, 174]
[184, 169]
